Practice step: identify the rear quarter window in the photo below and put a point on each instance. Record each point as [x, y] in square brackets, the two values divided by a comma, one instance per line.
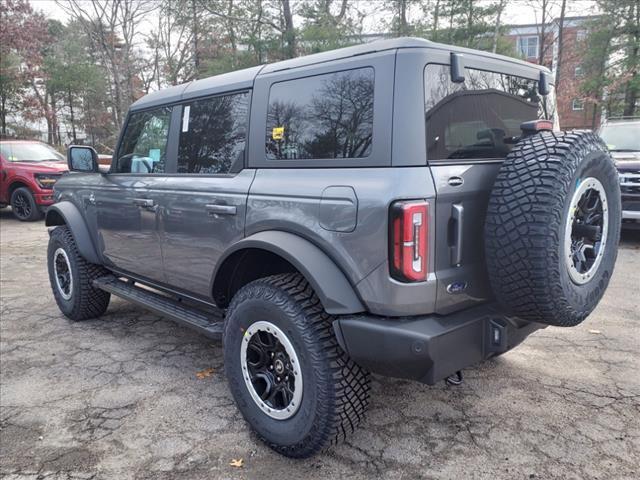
[320, 117]
[481, 117]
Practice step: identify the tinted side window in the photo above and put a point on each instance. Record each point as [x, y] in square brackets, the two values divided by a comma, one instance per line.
[144, 144]
[481, 117]
[326, 116]
[213, 134]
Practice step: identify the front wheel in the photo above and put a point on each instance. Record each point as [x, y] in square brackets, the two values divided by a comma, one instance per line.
[71, 278]
[24, 206]
[291, 380]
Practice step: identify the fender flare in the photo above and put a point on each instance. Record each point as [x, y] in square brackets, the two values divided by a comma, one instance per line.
[66, 213]
[337, 295]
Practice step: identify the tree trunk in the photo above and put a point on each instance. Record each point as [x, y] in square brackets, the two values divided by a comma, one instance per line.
[470, 23]
[402, 14]
[196, 53]
[542, 32]
[496, 31]
[289, 30]
[72, 118]
[560, 46]
[54, 119]
[631, 88]
[3, 114]
[436, 16]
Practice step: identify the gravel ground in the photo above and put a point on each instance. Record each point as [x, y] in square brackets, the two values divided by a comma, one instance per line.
[119, 398]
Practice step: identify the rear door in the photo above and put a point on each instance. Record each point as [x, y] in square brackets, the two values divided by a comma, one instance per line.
[470, 128]
[203, 207]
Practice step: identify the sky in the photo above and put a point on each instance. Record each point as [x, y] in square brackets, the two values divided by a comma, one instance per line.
[517, 11]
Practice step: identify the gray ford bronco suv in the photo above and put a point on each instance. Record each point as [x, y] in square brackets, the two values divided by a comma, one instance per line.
[401, 207]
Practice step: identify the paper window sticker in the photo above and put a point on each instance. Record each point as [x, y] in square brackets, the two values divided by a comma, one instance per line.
[154, 153]
[185, 118]
[277, 133]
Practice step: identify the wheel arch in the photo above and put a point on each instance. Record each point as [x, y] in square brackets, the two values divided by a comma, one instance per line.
[272, 252]
[13, 186]
[66, 213]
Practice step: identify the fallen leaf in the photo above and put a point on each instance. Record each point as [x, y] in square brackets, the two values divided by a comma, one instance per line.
[596, 332]
[204, 373]
[238, 463]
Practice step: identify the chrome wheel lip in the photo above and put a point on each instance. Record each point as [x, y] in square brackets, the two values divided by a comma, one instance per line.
[586, 184]
[294, 404]
[60, 253]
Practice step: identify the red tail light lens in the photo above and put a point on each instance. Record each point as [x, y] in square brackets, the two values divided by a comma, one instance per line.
[408, 242]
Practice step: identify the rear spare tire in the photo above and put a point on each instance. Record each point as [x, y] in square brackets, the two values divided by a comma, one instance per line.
[553, 226]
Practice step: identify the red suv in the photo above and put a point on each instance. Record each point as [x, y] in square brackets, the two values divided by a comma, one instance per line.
[28, 170]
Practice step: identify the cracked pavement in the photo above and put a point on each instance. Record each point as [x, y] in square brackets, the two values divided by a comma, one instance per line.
[118, 397]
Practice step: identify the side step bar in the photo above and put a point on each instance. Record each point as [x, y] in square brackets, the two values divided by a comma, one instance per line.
[207, 323]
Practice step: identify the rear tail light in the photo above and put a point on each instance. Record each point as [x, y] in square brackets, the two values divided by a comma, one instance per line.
[408, 240]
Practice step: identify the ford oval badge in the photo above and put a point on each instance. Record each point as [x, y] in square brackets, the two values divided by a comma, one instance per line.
[455, 181]
[456, 287]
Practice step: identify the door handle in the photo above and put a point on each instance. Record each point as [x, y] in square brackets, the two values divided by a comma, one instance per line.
[214, 209]
[143, 202]
[455, 249]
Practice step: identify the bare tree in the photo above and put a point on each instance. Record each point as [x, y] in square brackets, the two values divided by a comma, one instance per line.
[112, 26]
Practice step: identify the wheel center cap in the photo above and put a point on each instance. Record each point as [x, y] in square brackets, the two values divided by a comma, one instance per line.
[278, 366]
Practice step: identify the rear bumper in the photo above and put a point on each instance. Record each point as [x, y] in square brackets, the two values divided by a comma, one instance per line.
[429, 348]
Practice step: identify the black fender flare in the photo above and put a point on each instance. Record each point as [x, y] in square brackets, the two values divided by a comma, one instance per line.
[66, 213]
[337, 295]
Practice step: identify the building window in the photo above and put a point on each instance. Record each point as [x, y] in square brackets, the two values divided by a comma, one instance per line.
[581, 35]
[577, 72]
[528, 46]
[324, 116]
[577, 105]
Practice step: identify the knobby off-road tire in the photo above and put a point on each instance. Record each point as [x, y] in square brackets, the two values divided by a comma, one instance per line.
[24, 206]
[334, 390]
[526, 238]
[75, 294]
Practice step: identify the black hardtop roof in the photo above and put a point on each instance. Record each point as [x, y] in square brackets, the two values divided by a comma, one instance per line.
[243, 79]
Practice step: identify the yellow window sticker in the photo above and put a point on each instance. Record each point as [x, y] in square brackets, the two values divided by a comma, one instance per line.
[277, 133]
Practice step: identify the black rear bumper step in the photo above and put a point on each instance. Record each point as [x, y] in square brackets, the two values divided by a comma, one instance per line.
[207, 323]
[432, 347]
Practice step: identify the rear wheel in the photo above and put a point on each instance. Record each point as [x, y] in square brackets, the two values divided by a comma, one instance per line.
[553, 226]
[71, 278]
[24, 206]
[291, 380]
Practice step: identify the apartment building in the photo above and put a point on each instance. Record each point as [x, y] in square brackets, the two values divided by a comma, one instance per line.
[575, 111]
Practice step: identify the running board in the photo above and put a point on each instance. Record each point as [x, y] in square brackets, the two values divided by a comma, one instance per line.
[207, 323]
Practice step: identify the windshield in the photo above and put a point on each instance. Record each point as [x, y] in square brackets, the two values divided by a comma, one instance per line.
[29, 152]
[623, 137]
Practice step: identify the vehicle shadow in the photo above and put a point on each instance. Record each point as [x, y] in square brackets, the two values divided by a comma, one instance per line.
[630, 238]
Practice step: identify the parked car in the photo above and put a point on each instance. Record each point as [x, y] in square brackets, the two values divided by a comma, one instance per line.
[622, 136]
[28, 171]
[307, 213]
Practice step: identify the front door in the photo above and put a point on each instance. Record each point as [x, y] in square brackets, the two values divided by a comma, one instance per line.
[128, 198]
[203, 206]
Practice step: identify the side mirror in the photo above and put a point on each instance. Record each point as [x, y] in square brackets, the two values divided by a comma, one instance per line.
[544, 85]
[82, 159]
[457, 68]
